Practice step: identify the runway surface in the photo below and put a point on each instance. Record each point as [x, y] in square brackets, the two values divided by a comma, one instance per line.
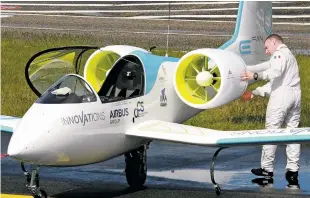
[174, 170]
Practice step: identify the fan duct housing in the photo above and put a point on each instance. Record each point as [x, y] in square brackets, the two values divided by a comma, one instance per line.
[208, 78]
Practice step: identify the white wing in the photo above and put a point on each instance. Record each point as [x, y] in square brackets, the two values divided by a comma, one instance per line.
[8, 125]
[160, 130]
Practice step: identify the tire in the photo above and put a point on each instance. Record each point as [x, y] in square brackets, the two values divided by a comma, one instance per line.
[136, 168]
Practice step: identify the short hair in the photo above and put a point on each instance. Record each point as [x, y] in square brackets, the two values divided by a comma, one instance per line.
[274, 36]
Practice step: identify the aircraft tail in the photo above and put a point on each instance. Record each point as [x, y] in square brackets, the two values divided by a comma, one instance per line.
[253, 25]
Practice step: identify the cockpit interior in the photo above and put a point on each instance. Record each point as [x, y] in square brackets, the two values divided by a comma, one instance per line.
[124, 81]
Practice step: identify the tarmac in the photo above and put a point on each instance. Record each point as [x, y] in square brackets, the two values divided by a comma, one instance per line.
[174, 170]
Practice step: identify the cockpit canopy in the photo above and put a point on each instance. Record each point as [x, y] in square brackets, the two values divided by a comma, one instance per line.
[68, 89]
[113, 77]
[114, 72]
[48, 66]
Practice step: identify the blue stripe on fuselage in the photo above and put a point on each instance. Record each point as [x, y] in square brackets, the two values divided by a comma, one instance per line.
[151, 64]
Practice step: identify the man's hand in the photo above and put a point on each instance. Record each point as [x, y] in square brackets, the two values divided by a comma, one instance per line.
[247, 75]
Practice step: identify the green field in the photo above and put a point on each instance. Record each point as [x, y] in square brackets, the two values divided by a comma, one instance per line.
[17, 47]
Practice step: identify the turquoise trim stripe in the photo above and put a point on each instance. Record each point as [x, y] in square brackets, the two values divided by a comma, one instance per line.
[8, 118]
[5, 117]
[6, 129]
[268, 30]
[263, 140]
[151, 64]
[237, 28]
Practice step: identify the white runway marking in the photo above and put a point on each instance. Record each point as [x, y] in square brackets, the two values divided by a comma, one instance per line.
[163, 10]
[149, 11]
[5, 15]
[214, 16]
[124, 11]
[209, 21]
[133, 4]
[98, 30]
[122, 5]
[148, 17]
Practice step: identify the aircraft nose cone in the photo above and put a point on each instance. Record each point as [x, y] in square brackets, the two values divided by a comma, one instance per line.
[16, 147]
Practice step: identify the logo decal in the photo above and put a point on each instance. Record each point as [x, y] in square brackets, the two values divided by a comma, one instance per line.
[83, 118]
[258, 39]
[139, 110]
[116, 114]
[163, 98]
[245, 47]
[230, 75]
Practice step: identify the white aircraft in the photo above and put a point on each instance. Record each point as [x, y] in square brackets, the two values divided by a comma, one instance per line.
[119, 98]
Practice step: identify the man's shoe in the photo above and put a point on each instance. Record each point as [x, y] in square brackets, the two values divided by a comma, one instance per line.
[262, 172]
[292, 178]
[293, 187]
[263, 181]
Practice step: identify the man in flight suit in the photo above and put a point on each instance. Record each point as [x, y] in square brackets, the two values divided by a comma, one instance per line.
[284, 105]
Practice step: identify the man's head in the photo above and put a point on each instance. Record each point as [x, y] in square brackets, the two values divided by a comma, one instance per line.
[272, 42]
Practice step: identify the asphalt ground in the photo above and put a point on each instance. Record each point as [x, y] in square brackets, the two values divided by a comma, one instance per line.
[174, 170]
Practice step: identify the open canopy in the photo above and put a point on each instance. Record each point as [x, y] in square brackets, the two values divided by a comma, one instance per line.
[48, 66]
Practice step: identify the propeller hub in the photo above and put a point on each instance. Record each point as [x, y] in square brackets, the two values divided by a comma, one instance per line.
[204, 78]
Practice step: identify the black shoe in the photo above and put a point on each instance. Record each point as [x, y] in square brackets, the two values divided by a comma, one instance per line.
[262, 172]
[293, 187]
[263, 181]
[292, 178]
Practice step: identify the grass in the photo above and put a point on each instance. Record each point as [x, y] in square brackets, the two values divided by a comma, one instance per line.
[16, 97]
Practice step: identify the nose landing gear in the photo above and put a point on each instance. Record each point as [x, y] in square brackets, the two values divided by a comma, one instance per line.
[32, 182]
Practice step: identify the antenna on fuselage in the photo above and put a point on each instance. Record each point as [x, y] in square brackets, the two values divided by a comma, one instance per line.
[168, 31]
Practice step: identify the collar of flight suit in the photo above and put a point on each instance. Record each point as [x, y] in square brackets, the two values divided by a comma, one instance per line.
[281, 46]
[261, 74]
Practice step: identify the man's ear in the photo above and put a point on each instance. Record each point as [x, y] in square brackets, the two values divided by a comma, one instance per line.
[275, 41]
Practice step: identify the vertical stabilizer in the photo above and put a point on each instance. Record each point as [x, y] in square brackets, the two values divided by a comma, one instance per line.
[253, 25]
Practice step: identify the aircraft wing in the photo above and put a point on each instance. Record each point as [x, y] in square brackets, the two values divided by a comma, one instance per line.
[8, 125]
[160, 130]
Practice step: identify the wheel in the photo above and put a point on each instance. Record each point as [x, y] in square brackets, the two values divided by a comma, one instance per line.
[135, 172]
[218, 191]
[135, 177]
[136, 168]
[42, 194]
